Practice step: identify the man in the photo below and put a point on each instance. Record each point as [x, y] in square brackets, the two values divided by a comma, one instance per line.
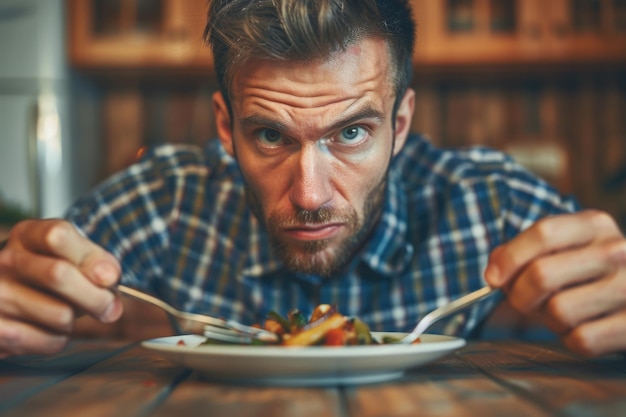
[317, 193]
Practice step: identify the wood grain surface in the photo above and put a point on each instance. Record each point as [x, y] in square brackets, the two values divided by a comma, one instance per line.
[488, 378]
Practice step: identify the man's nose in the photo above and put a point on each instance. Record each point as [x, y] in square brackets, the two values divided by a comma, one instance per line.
[311, 186]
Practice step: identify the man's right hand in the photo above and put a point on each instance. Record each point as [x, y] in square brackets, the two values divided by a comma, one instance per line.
[50, 274]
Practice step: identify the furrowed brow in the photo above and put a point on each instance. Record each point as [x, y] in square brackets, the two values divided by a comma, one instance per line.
[257, 120]
[367, 112]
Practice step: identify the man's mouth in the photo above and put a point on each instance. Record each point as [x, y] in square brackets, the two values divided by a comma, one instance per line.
[313, 231]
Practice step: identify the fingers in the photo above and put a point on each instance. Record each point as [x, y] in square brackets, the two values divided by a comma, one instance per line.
[60, 277]
[48, 272]
[554, 272]
[17, 338]
[598, 337]
[22, 303]
[547, 236]
[52, 256]
[572, 307]
[572, 270]
[32, 322]
[61, 239]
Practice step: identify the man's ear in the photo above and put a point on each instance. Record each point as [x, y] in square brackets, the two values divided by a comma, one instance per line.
[404, 116]
[223, 122]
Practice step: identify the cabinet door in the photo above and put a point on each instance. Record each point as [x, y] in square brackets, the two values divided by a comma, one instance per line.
[107, 34]
[462, 32]
[587, 30]
[501, 32]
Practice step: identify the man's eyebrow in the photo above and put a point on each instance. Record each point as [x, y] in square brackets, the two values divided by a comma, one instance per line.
[255, 120]
[367, 112]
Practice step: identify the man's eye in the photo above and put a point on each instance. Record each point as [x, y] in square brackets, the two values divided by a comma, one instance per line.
[270, 137]
[352, 134]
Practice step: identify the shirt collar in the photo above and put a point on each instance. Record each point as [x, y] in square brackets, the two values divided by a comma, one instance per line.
[387, 251]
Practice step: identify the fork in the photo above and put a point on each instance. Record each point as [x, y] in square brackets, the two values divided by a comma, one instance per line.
[444, 311]
[215, 328]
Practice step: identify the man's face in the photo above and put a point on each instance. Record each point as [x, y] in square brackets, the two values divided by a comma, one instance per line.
[314, 142]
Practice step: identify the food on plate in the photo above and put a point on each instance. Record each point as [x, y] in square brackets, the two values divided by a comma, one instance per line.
[325, 327]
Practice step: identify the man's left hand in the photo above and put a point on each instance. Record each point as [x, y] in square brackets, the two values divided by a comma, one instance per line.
[571, 270]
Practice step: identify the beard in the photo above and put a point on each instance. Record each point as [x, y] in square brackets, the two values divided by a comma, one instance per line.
[319, 257]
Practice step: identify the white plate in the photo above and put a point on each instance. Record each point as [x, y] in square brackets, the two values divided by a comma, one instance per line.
[303, 366]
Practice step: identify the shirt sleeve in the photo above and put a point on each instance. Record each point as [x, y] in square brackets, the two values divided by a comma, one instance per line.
[528, 198]
[131, 213]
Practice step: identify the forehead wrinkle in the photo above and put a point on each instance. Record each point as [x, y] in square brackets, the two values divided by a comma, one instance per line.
[301, 96]
[302, 89]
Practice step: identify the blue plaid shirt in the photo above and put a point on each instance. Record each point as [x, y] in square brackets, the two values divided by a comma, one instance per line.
[179, 223]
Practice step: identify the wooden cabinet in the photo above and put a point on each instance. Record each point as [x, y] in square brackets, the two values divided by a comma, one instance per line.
[543, 80]
[137, 34]
[509, 32]
[167, 34]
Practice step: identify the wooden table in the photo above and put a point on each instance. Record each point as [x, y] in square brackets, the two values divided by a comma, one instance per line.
[486, 378]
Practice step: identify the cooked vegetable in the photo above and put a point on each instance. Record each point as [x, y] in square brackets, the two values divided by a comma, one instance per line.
[273, 316]
[275, 326]
[336, 337]
[320, 311]
[315, 334]
[297, 320]
[362, 332]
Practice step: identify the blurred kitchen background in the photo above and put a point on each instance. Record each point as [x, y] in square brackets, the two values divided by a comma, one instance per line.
[86, 84]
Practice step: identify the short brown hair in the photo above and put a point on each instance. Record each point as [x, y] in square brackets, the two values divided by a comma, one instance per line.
[293, 30]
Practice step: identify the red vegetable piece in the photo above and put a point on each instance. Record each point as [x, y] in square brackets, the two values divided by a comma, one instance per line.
[335, 337]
